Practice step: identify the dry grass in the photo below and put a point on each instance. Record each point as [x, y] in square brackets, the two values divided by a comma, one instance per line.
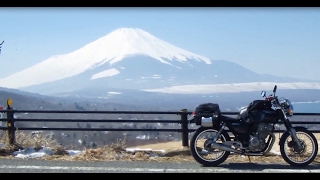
[109, 153]
[117, 152]
[174, 152]
[29, 140]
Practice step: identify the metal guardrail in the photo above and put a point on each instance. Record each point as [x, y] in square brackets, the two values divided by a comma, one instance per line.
[183, 121]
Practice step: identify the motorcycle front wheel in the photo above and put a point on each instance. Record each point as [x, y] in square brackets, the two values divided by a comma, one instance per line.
[304, 157]
[200, 147]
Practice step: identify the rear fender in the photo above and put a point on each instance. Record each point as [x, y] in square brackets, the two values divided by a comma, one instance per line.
[192, 120]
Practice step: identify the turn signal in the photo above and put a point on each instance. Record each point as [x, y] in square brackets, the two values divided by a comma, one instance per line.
[290, 112]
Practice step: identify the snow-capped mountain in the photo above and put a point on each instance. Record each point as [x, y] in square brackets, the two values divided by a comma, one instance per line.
[129, 58]
[110, 49]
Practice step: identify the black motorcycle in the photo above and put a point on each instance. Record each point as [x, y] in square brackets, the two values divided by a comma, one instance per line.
[251, 133]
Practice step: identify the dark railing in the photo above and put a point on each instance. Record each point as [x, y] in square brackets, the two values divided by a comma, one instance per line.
[183, 121]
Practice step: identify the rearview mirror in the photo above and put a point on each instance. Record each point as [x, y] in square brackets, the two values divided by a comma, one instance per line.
[263, 93]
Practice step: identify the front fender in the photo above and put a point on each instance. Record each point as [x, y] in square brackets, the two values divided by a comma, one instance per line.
[192, 120]
[296, 128]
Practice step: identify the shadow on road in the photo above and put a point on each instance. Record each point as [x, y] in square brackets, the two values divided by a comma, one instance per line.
[261, 166]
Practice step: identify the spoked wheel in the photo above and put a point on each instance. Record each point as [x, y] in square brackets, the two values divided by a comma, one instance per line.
[200, 147]
[295, 156]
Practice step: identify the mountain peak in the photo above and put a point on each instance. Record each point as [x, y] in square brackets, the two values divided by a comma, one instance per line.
[127, 30]
[112, 48]
[131, 41]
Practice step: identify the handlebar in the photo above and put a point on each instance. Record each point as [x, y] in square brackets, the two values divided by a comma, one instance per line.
[274, 100]
[274, 89]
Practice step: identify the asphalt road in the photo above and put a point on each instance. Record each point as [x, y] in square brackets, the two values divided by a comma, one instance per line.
[42, 166]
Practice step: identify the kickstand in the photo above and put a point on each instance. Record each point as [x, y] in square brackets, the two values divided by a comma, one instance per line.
[249, 158]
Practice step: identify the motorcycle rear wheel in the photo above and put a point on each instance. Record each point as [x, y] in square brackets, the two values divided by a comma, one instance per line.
[302, 158]
[200, 152]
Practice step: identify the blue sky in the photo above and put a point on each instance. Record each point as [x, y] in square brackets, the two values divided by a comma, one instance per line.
[278, 41]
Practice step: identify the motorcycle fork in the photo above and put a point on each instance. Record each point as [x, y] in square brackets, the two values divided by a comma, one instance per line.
[291, 131]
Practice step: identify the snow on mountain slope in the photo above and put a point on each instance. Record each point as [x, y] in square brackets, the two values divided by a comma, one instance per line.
[112, 48]
[106, 73]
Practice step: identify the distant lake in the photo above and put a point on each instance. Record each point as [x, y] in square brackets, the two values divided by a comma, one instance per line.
[305, 107]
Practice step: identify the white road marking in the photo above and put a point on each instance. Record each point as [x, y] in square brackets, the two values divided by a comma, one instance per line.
[203, 170]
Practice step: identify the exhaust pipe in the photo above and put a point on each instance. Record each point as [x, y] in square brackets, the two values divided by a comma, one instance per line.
[224, 147]
[270, 146]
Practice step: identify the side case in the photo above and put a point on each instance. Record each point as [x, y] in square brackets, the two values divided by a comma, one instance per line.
[206, 110]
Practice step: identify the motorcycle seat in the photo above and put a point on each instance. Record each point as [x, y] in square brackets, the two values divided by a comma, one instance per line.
[228, 118]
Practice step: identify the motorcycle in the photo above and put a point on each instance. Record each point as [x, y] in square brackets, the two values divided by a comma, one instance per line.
[251, 133]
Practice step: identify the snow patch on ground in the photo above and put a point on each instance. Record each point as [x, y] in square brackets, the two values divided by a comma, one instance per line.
[33, 153]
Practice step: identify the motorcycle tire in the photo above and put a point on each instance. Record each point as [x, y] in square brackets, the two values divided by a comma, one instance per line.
[193, 148]
[310, 158]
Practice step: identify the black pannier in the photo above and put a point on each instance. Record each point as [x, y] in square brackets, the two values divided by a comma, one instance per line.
[206, 110]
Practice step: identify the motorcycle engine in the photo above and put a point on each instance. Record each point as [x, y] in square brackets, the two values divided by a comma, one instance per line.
[257, 139]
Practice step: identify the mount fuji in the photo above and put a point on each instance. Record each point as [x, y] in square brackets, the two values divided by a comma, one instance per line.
[131, 58]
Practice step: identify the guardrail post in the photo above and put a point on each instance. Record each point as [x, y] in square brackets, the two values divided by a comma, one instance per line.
[184, 127]
[10, 125]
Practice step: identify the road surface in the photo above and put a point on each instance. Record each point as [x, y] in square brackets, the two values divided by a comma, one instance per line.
[42, 166]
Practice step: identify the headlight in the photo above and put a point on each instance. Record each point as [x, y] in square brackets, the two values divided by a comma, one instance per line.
[287, 106]
[290, 110]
